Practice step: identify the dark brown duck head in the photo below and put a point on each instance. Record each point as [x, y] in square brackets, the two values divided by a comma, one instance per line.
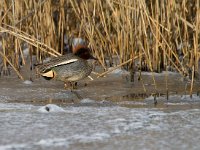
[83, 52]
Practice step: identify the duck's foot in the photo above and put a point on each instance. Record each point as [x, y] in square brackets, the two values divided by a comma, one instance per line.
[66, 85]
[74, 85]
[70, 85]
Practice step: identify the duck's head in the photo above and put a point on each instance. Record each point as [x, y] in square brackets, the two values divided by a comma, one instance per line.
[83, 52]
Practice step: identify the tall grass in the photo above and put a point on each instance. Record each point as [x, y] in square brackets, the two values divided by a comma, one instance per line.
[160, 34]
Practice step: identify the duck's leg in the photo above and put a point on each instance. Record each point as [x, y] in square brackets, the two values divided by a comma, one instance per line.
[74, 85]
[67, 85]
[71, 85]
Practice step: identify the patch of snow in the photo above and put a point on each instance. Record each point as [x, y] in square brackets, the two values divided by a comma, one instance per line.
[26, 51]
[4, 98]
[159, 74]
[53, 142]
[66, 39]
[118, 71]
[180, 47]
[77, 41]
[149, 98]
[74, 138]
[87, 100]
[90, 138]
[13, 146]
[27, 82]
[131, 103]
[188, 97]
[174, 104]
[46, 59]
[50, 108]
[15, 106]
[105, 102]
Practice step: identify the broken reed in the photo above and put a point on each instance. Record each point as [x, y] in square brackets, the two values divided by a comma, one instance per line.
[164, 34]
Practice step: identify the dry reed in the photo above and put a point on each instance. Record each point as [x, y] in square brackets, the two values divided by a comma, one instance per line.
[165, 32]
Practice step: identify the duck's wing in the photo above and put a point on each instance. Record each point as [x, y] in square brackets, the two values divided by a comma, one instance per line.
[57, 61]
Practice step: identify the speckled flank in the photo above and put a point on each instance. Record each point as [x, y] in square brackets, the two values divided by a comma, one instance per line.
[66, 68]
[73, 71]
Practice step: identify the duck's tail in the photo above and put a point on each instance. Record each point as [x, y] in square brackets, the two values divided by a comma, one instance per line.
[42, 70]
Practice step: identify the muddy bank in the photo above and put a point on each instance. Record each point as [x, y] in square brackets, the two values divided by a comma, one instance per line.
[115, 88]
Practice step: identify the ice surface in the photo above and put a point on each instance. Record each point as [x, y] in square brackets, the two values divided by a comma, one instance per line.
[26, 126]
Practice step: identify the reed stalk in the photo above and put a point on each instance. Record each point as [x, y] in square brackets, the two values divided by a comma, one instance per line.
[165, 32]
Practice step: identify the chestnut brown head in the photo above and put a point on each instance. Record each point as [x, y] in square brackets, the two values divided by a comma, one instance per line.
[83, 52]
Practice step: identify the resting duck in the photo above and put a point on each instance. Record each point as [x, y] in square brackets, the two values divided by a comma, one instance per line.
[70, 67]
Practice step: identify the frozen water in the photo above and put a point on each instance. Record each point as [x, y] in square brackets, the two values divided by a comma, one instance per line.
[24, 126]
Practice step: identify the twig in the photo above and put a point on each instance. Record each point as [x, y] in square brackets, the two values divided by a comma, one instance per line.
[118, 66]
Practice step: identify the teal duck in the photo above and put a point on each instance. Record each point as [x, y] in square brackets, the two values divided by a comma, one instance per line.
[70, 67]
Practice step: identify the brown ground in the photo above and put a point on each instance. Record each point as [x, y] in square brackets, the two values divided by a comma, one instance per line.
[114, 88]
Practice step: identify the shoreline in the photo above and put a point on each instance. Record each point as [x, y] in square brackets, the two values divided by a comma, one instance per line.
[113, 89]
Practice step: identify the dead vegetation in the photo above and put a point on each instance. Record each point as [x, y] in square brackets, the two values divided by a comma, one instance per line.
[162, 35]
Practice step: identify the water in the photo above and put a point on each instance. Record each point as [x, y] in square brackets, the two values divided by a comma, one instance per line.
[92, 125]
